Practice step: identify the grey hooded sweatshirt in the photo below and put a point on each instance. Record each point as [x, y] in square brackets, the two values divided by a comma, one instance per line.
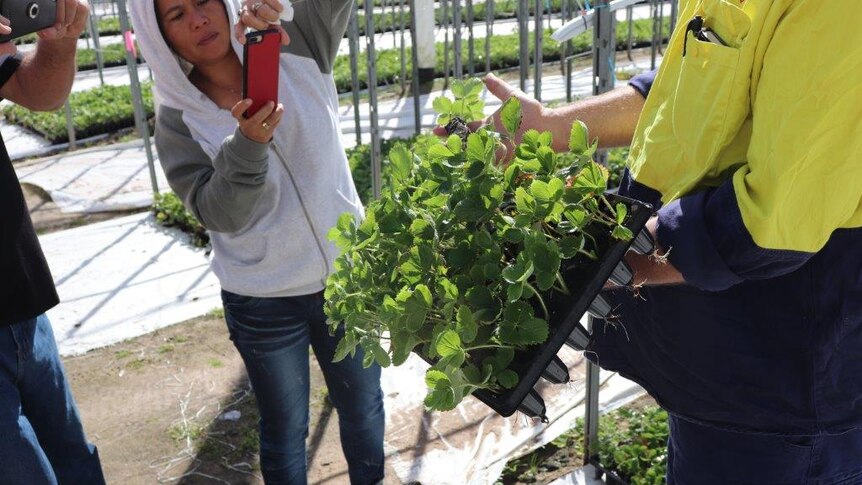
[270, 206]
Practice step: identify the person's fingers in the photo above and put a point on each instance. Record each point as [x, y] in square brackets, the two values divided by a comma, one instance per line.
[262, 113]
[252, 21]
[499, 88]
[239, 108]
[275, 5]
[285, 37]
[82, 11]
[239, 32]
[5, 28]
[8, 48]
[270, 11]
[60, 16]
[474, 126]
[69, 12]
[275, 117]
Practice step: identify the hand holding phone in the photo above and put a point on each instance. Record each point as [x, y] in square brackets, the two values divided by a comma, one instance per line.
[260, 67]
[260, 126]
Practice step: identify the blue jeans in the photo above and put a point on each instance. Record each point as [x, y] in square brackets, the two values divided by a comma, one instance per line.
[273, 335]
[41, 437]
[702, 455]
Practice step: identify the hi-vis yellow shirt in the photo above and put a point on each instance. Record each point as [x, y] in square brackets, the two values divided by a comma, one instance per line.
[772, 111]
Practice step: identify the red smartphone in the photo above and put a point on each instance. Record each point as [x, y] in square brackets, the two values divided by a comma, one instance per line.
[260, 68]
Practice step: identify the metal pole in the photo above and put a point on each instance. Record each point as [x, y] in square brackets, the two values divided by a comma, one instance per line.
[604, 36]
[591, 415]
[93, 27]
[70, 127]
[471, 43]
[673, 14]
[414, 53]
[604, 48]
[137, 100]
[537, 53]
[524, 47]
[424, 42]
[489, 32]
[403, 47]
[630, 21]
[444, 23]
[457, 22]
[353, 44]
[654, 44]
[569, 50]
[376, 177]
[660, 26]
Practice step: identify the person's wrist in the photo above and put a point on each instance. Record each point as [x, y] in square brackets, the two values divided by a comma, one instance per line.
[554, 120]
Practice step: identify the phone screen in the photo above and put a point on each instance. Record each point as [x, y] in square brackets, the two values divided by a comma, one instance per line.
[260, 68]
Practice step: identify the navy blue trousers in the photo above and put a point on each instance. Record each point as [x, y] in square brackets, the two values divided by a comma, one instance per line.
[703, 455]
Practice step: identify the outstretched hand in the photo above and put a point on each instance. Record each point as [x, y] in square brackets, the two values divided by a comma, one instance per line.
[534, 115]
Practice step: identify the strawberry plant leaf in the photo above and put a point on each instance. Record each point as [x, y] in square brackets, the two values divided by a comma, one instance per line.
[579, 138]
[621, 211]
[510, 115]
[508, 379]
[401, 161]
[433, 376]
[346, 346]
[460, 253]
[439, 152]
[448, 343]
[592, 179]
[454, 144]
[467, 327]
[475, 148]
[622, 233]
[520, 325]
[518, 272]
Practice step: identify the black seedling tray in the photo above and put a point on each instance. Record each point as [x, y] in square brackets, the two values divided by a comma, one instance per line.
[585, 279]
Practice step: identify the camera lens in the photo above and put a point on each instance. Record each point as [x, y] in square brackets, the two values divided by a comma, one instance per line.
[33, 10]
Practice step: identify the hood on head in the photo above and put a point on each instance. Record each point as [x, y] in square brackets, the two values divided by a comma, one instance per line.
[169, 70]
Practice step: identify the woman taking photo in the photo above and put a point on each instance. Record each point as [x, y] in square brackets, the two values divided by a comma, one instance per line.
[268, 187]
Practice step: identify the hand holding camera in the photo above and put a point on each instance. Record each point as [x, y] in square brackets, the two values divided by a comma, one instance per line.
[70, 20]
[52, 19]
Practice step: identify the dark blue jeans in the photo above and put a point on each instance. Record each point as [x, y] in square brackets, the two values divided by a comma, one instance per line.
[702, 455]
[41, 437]
[273, 335]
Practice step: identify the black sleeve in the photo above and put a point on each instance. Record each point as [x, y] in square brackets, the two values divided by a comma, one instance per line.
[643, 82]
[8, 67]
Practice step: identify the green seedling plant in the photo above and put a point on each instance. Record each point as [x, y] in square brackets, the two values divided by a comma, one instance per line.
[455, 258]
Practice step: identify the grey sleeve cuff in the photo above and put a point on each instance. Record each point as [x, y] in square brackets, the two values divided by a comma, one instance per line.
[241, 157]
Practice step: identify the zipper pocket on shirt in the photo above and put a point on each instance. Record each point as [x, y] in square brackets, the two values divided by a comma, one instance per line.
[305, 213]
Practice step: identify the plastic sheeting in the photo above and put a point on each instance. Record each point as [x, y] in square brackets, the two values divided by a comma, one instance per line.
[101, 179]
[472, 444]
[123, 278]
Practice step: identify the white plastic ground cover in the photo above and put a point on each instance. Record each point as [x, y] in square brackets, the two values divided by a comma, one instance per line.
[123, 278]
[472, 444]
[581, 476]
[111, 178]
